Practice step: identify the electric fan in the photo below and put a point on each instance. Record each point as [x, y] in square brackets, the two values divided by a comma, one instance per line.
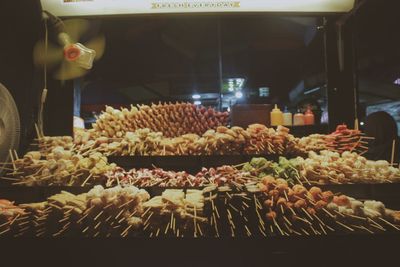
[68, 58]
[9, 126]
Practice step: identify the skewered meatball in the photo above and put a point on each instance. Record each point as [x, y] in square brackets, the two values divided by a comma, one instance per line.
[327, 196]
[301, 203]
[270, 216]
[268, 203]
[316, 192]
[281, 201]
[311, 211]
[320, 204]
[274, 193]
[341, 200]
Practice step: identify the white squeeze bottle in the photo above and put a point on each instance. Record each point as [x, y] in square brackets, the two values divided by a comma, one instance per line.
[298, 119]
[287, 117]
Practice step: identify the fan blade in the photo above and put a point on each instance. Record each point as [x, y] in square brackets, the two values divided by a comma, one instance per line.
[75, 28]
[53, 56]
[98, 44]
[69, 71]
[9, 126]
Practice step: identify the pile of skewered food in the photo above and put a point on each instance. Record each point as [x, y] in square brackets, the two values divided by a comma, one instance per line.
[344, 139]
[154, 177]
[171, 119]
[256, 139]
[327, 167]
[221, 141]
[261, 167]
[226, 176]
[100, 212]
[47, 143]
[266, 208]
[341, 140]
[285, 210]
[59, 167]
[313, 142]
[331, 167]
[176, 213]
[9, 211]
[117, 211]
[265, 140]
[157, 177]
[12, 217]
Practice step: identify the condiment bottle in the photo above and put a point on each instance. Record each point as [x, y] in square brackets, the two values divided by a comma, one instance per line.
[276, 116]
[298, 119]
[309, 117]
[287, 118]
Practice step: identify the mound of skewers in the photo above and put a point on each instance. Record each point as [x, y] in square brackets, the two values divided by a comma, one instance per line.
[58, 167]
[220, 176]
[154, 177]
[176, 213]
[172, 119]
[62, 167]
[260, 167]
[269, 207]
[327, 167]
[345, 139]
[113, 212]
[226, 176]
[100, 212]
[47, 143]
[256, 139]
[12, 217]
[331, 167]
[341, 140]
[284, 210]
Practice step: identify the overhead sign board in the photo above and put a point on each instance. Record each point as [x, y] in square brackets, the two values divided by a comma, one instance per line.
[72, 8]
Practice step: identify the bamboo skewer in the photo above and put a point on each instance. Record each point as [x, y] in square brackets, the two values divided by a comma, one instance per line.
[12, 160]
[377, 225]
[87, 179]
[345, 226]
[393, 150]
[389, 223]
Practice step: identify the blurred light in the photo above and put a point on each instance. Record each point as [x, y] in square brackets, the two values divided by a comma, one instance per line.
[196, 96]
[238, 94]
[312, 90]
[197, 102]
[230, 89]
[239, 81]
[397, 81]
[229, 109]
[263, 92]
[362, 123]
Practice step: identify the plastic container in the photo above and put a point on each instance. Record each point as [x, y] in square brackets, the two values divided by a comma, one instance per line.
[287, 118]
[298, 119]
[309, 118]
[276, 116]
